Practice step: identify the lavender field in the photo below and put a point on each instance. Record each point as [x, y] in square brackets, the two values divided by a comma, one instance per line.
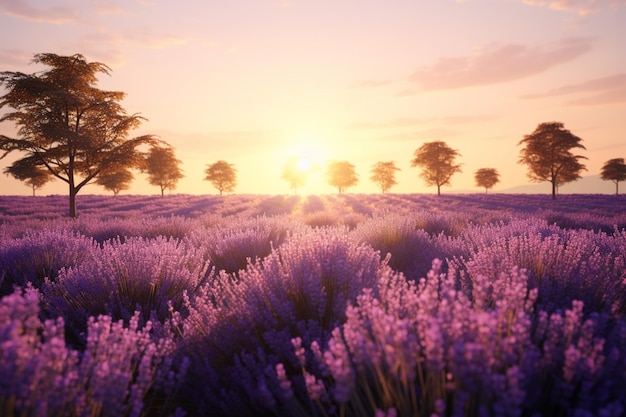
[335, 305]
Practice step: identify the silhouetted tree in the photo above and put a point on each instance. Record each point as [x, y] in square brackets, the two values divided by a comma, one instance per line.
[548, 155]
[162, 168]
[437, 162]
[295, 176]
[486, 177]
[384, 174]
[115, 180]
[614, 170]
[222, 175]
[31, 174]
[341, 174]
[67, 125]
[569, 173]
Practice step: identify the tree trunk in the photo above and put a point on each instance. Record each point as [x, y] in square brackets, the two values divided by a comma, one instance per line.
[162, 191]
[438, 190]
[554, 190]
[73, 193]
[33, 190]
[616, 187]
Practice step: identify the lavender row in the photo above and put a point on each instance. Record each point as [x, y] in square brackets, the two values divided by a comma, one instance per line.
[322, 306]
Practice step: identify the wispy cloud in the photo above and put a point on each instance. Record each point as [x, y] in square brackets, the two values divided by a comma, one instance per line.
[604, 90]
[22, 9]
[106, 7]
[497, 64]
[580, 7]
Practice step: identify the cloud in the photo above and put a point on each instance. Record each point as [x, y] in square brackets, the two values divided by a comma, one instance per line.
[22, 9]
[497, 64]
[604, 90]
[106, 7]
[580, 7]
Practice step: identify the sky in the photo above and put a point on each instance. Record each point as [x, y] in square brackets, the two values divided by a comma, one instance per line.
[255, 82]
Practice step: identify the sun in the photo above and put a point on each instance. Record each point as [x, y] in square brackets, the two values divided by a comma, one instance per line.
[304, 163]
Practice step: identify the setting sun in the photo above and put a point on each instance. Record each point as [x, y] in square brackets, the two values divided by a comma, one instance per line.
[304, 164]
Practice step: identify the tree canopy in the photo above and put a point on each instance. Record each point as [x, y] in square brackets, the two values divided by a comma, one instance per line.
[32, 175]
[341, 174]
[486, 177]
[115, 180]
[437, 162]
[614, 170]
[222, 175]
[548, 155]
[294, 175]
[162, 168]
[384, 174]
[66, 124]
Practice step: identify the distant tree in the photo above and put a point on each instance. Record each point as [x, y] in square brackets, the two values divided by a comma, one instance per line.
[341, 174]
[67, 125]
[162, 168]
[548, 155]
[614, 170]
[294, 175]
[384, 174]
[115, 180]
[437, 162]
[31, 174]
[222, 175]
[486, 177]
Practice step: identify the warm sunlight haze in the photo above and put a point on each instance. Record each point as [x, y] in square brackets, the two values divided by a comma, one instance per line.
[257, 82]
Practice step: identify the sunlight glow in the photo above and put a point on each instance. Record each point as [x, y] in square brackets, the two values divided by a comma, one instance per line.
[304, 164]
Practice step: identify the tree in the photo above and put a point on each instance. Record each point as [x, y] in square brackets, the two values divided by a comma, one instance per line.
[384, 174]
[222, 175]
[162, 168]
[294, 175]
[486, 177]
[341, 174]
[614, 170]
[33, 175]
[437, 162]
[548, 155]
[67, 125]
[115, 180]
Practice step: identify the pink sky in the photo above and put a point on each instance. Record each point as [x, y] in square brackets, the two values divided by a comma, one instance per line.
[254, 82]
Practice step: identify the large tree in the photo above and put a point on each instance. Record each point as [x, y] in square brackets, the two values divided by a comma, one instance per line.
[222, 175]
[486, 177]
[162, 168]
[341, 174]
[548, 154]
[294, 174]
[32, 175]
[384, 174]
[614, 170]
[66, 124]
[437, 162]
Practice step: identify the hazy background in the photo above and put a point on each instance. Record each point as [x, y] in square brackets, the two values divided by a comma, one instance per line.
[254, 82]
